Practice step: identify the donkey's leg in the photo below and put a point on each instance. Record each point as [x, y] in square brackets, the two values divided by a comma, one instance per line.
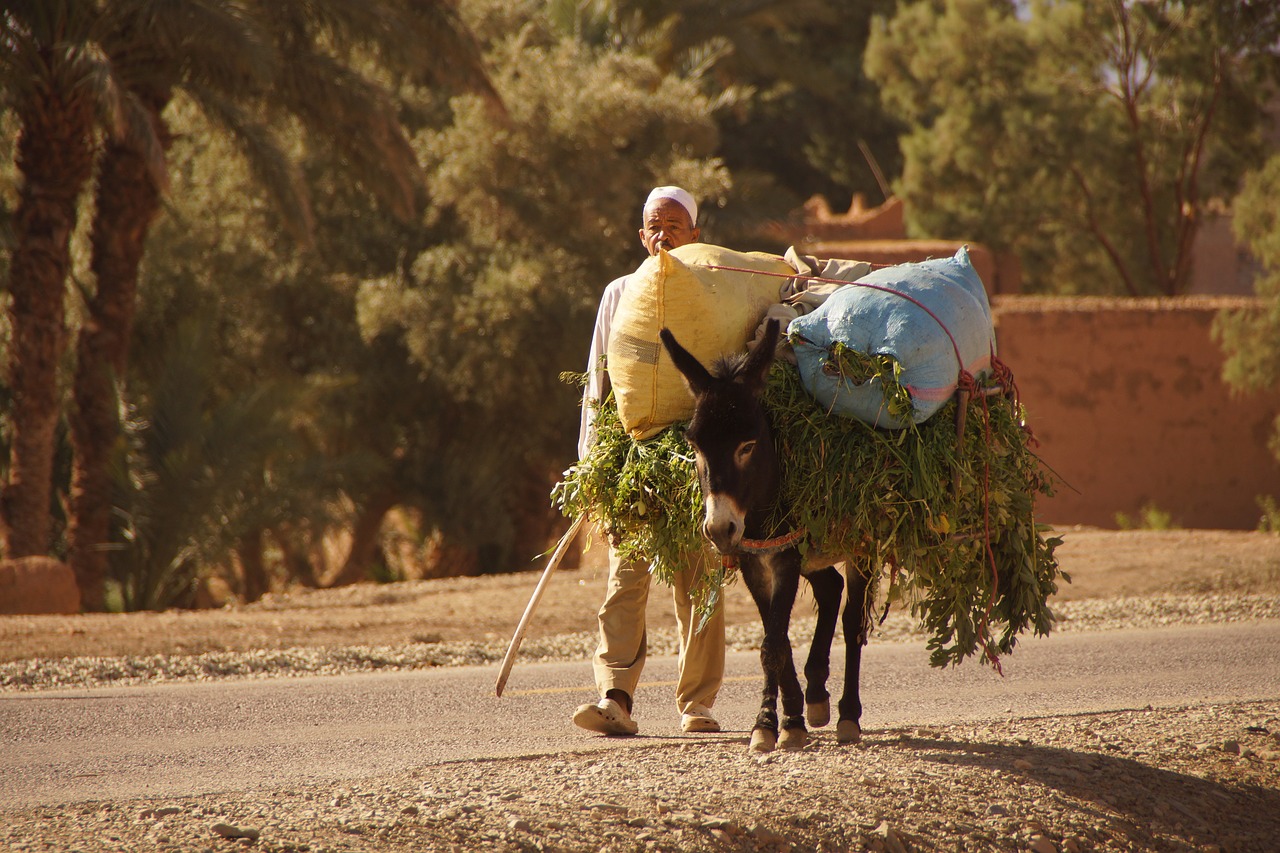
[764, 735]
[773, 585]
[827, 586]
[848, 729]
[785, 567]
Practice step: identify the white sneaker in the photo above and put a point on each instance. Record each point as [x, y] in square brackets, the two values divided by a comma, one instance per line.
[606, 717]
[698, 719]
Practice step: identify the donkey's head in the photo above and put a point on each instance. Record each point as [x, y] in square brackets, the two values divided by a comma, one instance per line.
[731, 438]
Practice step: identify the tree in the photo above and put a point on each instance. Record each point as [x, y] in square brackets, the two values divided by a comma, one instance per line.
[62, 88]
[212, 409]
[1251, 337]
[796, 113]
[1083, 136]
[530, 217]
[241, 65]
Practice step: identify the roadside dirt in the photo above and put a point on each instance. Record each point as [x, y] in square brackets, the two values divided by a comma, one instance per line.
[1102, 564]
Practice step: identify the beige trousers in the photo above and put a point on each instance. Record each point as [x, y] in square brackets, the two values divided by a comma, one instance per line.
[620, 655]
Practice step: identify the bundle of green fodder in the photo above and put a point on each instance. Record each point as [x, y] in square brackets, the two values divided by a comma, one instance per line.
[955, 527]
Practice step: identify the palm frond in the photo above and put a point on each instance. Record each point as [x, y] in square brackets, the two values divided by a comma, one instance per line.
[214, 42]
[443, 50]
[357, 118]
[279, 175]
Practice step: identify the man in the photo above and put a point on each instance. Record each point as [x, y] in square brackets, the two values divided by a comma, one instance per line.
[669, 220]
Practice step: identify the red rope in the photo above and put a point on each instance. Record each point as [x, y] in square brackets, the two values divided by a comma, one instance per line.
[984, 630]
[777, 543]
[881, 288]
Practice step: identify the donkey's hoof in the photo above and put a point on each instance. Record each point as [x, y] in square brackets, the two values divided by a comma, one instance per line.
[848, 731]
[818, 713]
[796, 738]
[763, 740]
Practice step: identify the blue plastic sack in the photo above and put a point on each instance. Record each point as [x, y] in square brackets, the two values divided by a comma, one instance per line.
[883, 320]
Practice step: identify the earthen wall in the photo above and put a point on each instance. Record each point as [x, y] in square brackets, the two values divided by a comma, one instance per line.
[1127, 401]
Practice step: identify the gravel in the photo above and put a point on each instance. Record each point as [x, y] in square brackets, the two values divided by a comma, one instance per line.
[1200, 778]
[1197, 779]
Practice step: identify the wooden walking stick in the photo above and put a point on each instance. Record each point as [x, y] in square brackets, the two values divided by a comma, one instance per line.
[552, 563]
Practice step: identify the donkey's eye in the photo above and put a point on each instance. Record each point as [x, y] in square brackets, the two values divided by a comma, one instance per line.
[744, 452]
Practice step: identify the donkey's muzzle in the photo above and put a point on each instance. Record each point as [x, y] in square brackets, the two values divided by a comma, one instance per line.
[723, 525]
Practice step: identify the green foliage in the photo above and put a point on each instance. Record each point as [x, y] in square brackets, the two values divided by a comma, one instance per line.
[1270, 520]
[1083, 136]
[191, 480]
[429, 350]
[277, 342]
[882, 370]
[645, 493]
[874, 497]
[794, 108]
[1251, 336]
[532, 212]
[1150, 517]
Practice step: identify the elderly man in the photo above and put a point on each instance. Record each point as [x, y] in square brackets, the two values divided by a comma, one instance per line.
[670, 217]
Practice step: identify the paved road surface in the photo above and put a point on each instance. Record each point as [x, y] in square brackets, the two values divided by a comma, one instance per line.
[184, 739]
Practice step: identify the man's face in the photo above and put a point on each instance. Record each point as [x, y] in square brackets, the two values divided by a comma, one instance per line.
[667, 226]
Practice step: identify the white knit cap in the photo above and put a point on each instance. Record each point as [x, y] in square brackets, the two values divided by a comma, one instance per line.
[675, 194]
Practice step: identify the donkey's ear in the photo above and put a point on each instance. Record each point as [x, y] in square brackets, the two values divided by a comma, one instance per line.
[755, 369]
[695, 375]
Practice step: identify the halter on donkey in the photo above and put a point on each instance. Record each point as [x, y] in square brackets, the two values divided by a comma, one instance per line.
[740, 476]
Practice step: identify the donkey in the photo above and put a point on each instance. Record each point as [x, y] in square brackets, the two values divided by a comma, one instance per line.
[739, 471]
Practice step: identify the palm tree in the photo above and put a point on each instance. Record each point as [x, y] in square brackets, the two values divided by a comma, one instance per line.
[270, 59]
[62, 88]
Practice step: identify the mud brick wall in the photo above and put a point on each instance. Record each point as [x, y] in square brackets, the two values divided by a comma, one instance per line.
[1127, 400]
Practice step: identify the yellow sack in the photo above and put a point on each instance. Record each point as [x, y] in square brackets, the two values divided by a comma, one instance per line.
[712, 312]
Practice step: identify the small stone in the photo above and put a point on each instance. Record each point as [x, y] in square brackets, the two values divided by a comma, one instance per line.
[892, 841]
[167, 811]
[226, 830]
[611, 808]
[409, 811]
[1022, 764]
[764, 835]
[1231, 746]
[1042, 844]
[997, 810]
[517, 824]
